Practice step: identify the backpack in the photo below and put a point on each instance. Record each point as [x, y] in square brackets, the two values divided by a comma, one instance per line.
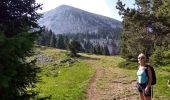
[153, 74]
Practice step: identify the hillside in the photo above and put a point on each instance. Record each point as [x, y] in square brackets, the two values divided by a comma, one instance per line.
[67, 19]
[91, 77]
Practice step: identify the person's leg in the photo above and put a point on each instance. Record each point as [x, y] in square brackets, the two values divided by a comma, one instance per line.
[147, 97]
[141, 96]
[140, 90]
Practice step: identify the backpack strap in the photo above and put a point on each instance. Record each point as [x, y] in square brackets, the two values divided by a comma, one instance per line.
[146, 70]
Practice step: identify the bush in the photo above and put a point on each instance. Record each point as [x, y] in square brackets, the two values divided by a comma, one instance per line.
[160, 57]
[166, 57]
[156, 58]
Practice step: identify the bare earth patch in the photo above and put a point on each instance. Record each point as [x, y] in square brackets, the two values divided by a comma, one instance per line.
[111, 84]
[91, 91]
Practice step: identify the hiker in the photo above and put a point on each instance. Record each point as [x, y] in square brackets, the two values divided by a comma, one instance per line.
[144, 78]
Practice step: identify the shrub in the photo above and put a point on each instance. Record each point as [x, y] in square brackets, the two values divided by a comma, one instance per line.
[160, 57]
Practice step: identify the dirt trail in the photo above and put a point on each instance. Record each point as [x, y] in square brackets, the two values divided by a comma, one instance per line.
[92, 92]
[110, 84]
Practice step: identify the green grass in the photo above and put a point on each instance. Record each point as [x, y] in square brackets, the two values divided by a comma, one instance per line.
[70, 83]
[63, 81]
[105, 61]
[161, 88]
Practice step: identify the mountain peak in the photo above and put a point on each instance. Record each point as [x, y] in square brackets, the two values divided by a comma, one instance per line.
[64, 6]
[68, 19]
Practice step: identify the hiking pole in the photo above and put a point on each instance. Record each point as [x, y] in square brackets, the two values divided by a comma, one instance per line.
[152, 90]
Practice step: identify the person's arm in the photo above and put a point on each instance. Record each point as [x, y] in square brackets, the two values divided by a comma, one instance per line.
[150, 77]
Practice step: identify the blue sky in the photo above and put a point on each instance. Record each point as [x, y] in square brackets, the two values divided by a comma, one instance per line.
[102, 7]
[112, 6]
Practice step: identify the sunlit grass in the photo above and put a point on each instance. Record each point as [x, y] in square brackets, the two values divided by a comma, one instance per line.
[62, 81]
[105, 61]
[70, 83]
[163, 75]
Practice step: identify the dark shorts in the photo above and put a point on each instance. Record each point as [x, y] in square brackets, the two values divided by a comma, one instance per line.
[141, 88]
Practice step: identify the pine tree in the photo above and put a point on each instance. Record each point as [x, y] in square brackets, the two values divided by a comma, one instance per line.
[17, 36]
[93, 50]
[48, 37]
[88, 46]
[60, 42]
[99, 49]
[66, 42]
[53, 40]
[145, 27]
[106, 50]
[74, 47]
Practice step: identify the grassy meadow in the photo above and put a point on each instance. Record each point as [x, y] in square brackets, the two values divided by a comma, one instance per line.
[62, 81]
[69, 80]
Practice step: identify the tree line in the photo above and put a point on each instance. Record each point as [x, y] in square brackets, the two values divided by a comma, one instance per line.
[146, 28]
[89, 41]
